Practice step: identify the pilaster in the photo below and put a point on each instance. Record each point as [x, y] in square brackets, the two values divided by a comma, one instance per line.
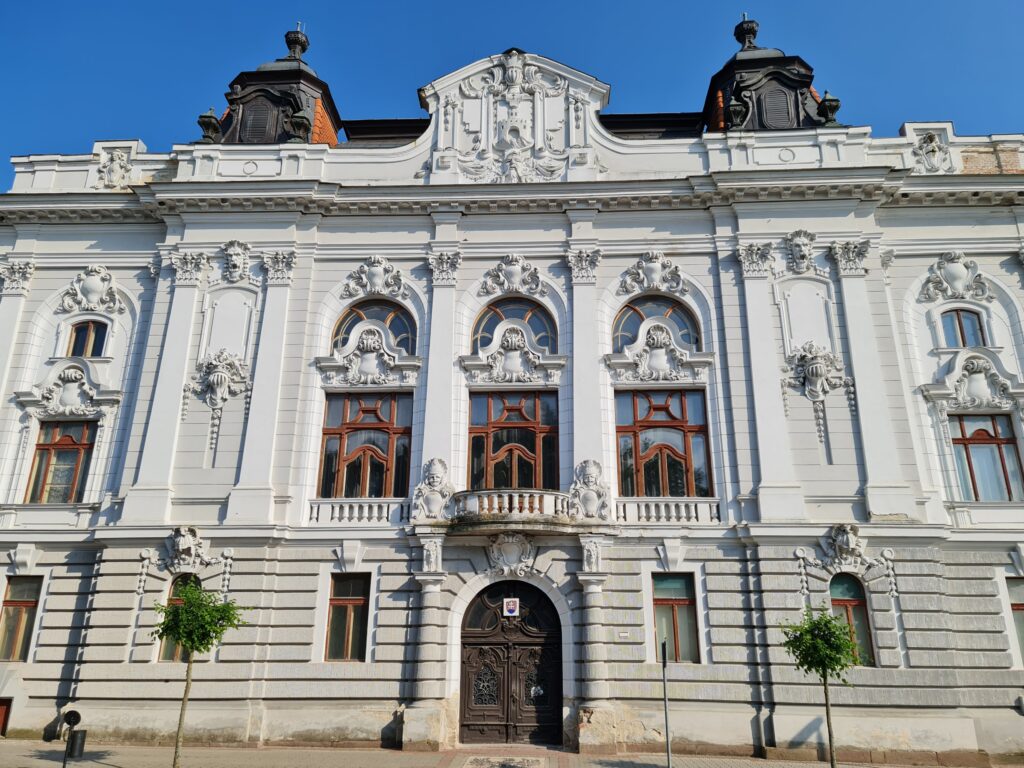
[423, 723]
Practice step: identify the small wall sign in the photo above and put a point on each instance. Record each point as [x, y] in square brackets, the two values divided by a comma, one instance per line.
[511, 606]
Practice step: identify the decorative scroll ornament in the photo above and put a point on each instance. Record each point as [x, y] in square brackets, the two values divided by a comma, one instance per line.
[236, 260]
[279, 266]
[92, 291]
[218, 378]
[583, 264]
[513, 361]
[844, 552]
[756, 259]
[513, 357]
[369, 358]
[377, 277]
[658, 355]
[184, 551]
[17, 274]
[653, 272]
[954, 276]
[69, 395]
[591, 555]
[513, 273]
[800, 245]
[980, 386]
[431, 496]
[444, 267]
[369, 362]
[849, 256]
[189, 267]
[588, 495]
[816, 371]
[510, 554]
[115, 171]
[931, 155]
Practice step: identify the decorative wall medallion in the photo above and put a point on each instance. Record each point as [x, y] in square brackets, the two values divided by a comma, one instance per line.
[115, 170]
[756, 259]
[510, 554]
[583, 265]
[513, 274]
[188, 267]
[92, 291]
[236, 260]
[844, 552]
[591, 555]
[444, 267]
[653, 272]
[658, 355]
[954, 276]
[218, 378]
[931, 155]
[816, 372]
[278, 266]
[17, 274]
[588, 495]
[432, 494]
[184, 551]
[849, 257]
[369, 358]
[376, 277]
[513, 357]
[800, 245]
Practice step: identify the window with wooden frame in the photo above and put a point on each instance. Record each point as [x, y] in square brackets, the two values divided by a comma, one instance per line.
[675, 617]
[663, 443]
[87, 339]
[627, 322]
[963, 328]
[987, 461]
[348, 617]
[18, 616]
[61, 463]
[513, 441]
[394, 317]
[1016, 589]
[850, 606]
[170, 650]
[366, 441]
[530, 312]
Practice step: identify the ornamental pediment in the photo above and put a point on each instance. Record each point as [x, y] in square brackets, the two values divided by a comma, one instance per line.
[369, 358]
[975, 380]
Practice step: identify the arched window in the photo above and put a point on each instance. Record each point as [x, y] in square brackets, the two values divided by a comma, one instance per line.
[87, 339]
[530, 312]
[394, 317]
[170, 650]
[963, 328]
[627, 322]
[850, 607]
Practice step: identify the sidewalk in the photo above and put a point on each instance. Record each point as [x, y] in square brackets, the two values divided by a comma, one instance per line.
[39, 754]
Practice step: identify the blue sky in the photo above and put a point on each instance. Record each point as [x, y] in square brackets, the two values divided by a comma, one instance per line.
[79, 71]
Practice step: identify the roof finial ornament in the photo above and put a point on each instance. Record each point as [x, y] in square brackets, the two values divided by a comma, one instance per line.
[296, 41]
[746, 33]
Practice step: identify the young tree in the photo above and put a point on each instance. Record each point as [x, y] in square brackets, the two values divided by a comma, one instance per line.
[196, 620]
[821, 645]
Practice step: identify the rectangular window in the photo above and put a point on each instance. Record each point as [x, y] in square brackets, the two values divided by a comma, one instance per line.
[18, 616]
[1016, 589]
[513, 441]
[987, 462]
[366, 446]
[675, 617]
[61, 463]
[349, 613]
[663, 443]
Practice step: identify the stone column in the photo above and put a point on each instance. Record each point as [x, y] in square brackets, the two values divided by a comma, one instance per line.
[423, 725]
[885, 492]
[779, 495]
[252, 498]
[149, 500]
[596, 719]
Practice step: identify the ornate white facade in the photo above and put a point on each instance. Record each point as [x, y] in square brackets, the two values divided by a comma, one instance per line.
[816, 265]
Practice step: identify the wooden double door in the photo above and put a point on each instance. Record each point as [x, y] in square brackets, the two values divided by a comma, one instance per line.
[511, 668]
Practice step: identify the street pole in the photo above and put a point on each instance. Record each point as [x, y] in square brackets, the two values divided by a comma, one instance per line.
[664, 688]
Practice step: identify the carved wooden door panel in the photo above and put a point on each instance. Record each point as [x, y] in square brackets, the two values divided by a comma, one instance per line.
[485, 694]
[536, 698]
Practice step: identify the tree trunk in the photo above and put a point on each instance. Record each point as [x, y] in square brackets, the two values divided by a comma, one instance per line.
[184, 703]
[828, 722]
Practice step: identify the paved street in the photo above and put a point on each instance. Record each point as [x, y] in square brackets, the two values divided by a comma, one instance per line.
[38, 754]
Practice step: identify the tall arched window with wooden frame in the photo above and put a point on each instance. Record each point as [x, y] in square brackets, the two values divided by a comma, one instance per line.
[170, 650]
[88, 339]
[850, 606]
[513, 440]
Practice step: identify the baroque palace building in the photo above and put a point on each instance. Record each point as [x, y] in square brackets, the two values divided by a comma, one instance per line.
[474, 411]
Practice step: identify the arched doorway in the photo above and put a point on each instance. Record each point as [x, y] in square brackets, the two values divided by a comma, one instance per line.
[511, 668]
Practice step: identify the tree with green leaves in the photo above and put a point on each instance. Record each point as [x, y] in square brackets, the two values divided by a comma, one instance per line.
[196, 620]
[821, 645]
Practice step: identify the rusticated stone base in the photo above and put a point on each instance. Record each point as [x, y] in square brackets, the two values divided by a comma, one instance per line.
[423, 728]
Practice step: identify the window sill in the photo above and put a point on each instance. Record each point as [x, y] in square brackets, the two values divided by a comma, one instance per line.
[48, 515]
[977, 514]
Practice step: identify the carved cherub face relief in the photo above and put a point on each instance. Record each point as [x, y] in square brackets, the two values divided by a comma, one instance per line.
[435, 474]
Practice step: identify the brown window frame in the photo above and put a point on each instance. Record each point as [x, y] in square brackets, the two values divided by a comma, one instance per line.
[991, 438]
[547, 340]
[90, 339]
[848, 604]
[389, 426]
[673, 310]
[406, 342]
[675, 602]
[179, 652]
[349, 603]
[24, 627]
[44, 451]
[493, 426]
[638, 426]
[959, 313]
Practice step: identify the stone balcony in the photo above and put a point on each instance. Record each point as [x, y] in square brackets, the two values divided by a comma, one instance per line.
[358, 512]
[655, 510]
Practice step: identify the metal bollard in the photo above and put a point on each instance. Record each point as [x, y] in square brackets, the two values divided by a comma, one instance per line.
[76, 744]
[76, 739]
